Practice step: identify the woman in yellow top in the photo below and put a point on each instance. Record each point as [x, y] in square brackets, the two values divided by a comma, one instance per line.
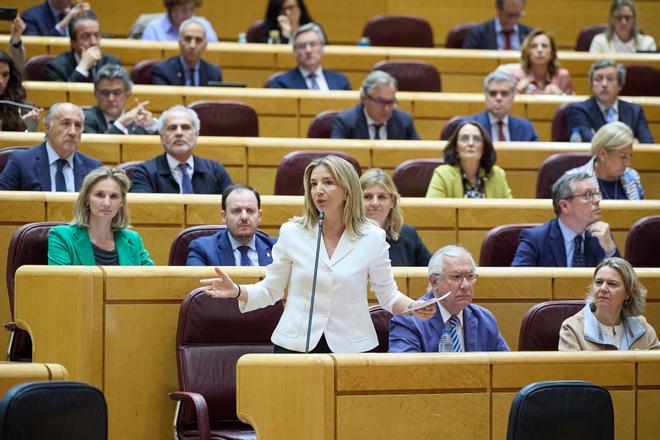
[469, 170]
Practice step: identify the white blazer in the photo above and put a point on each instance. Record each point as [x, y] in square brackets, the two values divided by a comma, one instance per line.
[341, 310]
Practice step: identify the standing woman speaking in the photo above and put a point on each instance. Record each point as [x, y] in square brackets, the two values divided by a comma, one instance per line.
[353, 251]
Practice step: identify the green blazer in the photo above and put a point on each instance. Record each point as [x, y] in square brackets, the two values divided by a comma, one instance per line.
[70, 245]
[447, 182]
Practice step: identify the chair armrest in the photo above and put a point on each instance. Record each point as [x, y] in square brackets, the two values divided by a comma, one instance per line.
[11, 326]
[201, 411]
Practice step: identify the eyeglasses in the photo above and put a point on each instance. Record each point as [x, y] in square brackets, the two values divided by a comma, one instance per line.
[107, 93]
[504, 93]
[589, 196]
[383, 102]
[466, 138]
[303, 46]
[456, 278]
[623, 17]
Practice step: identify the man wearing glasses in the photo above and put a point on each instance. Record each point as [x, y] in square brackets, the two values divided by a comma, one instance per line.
[503, 32]
[376, 116]
[576, 237]
[473, 328]
[308, 43]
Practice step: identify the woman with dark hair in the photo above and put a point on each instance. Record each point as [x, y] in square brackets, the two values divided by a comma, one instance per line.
[469, 170]
[284, 16]
[622, 34]
[539, 72]
[13, 117]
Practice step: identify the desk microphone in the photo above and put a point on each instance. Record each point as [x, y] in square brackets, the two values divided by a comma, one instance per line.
[316, 268]
[18, 104]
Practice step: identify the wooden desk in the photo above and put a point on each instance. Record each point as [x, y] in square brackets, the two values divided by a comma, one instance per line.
[115, 327]
[458, 396]
[13, 373]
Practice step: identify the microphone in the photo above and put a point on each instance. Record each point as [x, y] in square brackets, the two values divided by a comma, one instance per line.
[18, 104]
[316, 268]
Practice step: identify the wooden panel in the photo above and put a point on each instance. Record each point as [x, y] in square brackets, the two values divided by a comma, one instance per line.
[15, 373]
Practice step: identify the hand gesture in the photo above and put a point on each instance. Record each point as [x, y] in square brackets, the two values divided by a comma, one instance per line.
[601, 231]
[285, 25]
[138, 115]
[522, 85]
[90, 57]
[221, 287]
[16, 30]
[72, 12]
[553, 89]
[31, 119]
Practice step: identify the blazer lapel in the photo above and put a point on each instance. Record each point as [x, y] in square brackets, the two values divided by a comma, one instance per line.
[125, 251]
[79, 171]
[361, 127]
[625, 114]
[557, 244]
[82, 247]
[203, 73]
[298, 79]
[225, 251]
[42, 168]
[598, 119]
[103, 127]
[344, 247]
[263, 251]
[470, 333]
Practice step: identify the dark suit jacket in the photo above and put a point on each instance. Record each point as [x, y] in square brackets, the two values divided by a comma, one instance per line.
[408, 250]
[95, 123]
[215, 250]
[154, 176]
[520, 130]
[352, 124]
[63, 68]
[293, 79]
[543, 246]
[29, 170]
[170, 73]
[587, 117]
[482, 36]
[39, 20]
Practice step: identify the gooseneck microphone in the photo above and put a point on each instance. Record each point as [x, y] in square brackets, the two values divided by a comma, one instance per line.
[18, 104]
[316, 268]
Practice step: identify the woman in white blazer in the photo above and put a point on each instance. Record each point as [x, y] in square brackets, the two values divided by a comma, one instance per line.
[353, 251]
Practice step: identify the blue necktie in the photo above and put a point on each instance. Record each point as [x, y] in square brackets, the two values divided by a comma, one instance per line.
[455, 342]
[578, 254]
[60, 183]
[609, 115]
[186, 182]
[245, 260]
[313, 83]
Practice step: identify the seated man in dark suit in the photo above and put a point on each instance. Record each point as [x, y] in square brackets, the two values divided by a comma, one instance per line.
[504, 32]
[85, 57]
[500, 90]
[576, 237]
[112, 88]
[240, 244]
[308, 43]
[606, 79]
[178, 170]
[52, 17]
[188, 68]
[471, 327]
[55, 165]
[376, 116]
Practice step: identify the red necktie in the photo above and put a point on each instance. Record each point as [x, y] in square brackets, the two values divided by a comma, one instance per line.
[500, 131]
[507, 39]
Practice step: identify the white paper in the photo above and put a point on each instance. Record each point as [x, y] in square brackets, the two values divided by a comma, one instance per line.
[421, 304]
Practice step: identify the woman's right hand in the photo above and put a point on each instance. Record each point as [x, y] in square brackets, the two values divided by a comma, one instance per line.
[285, 25]
[221, 287]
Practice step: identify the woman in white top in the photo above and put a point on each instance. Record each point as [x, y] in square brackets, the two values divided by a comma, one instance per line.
[622, 35]
[353, 251]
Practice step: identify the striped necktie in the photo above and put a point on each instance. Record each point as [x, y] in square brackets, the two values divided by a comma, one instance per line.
[455, 342]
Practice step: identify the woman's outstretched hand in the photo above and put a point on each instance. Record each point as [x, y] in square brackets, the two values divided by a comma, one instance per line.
[221, 287]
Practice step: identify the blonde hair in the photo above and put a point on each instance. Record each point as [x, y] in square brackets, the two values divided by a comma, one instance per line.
[634, 306]
[346, 177]
[394, 220]
[81, 208]
[612, 136]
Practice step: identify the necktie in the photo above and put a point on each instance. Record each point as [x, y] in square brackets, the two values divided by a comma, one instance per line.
[609, 115]
[60, 183]
[186, 182]
[191, 77]
[578, 254]
[455, 342]
[507, 39]
[377, 131]
[245, 260]
[313, 83]
[500, 131]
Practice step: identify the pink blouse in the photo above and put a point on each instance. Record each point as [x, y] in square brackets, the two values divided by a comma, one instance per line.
[562, 80]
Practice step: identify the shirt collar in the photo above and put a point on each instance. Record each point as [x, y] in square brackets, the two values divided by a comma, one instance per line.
[498, 26]
[567, 233]
[174, 163]
[53, 156]
[603, 108]
[235, 244]
[493, 119]
[185, 65]
[370, 121]
[318, 72]
[446, 315]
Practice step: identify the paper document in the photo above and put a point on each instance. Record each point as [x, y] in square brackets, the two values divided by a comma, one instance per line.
[421, 304]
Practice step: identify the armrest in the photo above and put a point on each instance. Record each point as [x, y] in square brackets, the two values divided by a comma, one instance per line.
[201, 411]
[11, 326]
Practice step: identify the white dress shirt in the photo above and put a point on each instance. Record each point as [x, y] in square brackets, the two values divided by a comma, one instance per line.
[176, 171]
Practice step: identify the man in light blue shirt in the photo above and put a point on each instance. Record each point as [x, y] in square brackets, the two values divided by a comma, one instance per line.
[166, 27]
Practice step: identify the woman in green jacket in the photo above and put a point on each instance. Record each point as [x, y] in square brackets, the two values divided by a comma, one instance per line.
[469, 170]
[99, 234]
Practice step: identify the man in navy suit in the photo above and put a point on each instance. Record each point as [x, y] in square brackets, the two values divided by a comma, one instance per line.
[576, 237]
[499, 89]
[52, 17]
[85, 57]
[178, 171]
[504, 32]
[376, 116]
[240, 244]
[606, 79]
[308, 43]
[188, 68]
[55, 165]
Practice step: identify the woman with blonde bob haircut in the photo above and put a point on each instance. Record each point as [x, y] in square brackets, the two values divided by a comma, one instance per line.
[352, 253]
[98, 233]
[612, 318]
[622, 34]
[609, 168]
[380, 199]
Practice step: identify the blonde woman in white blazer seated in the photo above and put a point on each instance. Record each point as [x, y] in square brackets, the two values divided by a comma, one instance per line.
[353, 251]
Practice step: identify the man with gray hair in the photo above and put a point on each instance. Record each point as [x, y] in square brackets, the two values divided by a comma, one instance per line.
[188, 68]
[56, 164]
[178, 170]
[376, 116]
[500, 90]
[308, 42]
[504, 32]
[576, 237]
[471, 327]
[112, 88]
[606, 79]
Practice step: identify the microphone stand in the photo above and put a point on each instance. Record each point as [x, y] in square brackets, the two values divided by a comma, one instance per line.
[316, 268]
